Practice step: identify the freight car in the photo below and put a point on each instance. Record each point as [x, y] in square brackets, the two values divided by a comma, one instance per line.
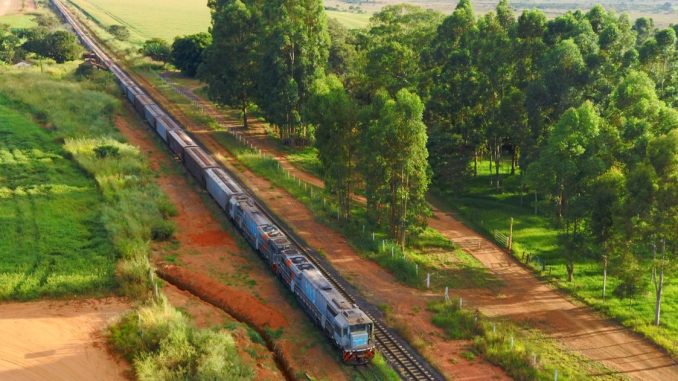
[347, 326]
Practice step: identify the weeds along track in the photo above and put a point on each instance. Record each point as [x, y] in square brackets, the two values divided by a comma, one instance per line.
[407, 362]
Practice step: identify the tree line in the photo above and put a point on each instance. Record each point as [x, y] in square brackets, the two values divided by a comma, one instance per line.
[46, 40]
[583, 106]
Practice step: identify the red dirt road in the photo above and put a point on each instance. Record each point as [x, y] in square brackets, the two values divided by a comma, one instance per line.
[523, 297]
[59, 341]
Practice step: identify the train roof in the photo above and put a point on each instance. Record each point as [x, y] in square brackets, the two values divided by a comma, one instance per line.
[221, 177]
[248, 206]
[201, 157]
[350, 312]
[183, 137]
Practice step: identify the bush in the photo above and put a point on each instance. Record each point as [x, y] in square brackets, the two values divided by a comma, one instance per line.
[163, 345]
[133, 277]
[631, 275]
[457, 323]
[163, 230]
[120, 32]
[157, 49]
[105, 151]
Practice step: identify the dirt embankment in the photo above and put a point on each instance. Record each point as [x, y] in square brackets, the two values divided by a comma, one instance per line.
[523, 298]
[59, 340]
[204, 247]
[239, 304]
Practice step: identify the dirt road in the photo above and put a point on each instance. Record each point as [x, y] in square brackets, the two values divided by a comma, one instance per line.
[523, 297]
[59, 340]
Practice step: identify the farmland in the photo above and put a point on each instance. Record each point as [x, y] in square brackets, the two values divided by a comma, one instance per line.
[148, 18]
[52, 242]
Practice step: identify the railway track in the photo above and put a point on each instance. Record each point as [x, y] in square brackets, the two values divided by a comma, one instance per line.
[409, 364]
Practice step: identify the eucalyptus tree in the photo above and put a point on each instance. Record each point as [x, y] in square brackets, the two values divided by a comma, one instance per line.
[336, 116]
[566, 170]
[231, 63]
[395, 163]
[295, 48]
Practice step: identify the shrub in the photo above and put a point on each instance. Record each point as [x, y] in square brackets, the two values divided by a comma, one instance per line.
[120, 32]
[163, 230]
[105, 151]
[157, 49]
[457, 323]
[133, 277]
[163, 345]
[631, 275]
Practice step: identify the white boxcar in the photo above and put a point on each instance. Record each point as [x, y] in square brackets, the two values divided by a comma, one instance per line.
[221, 186]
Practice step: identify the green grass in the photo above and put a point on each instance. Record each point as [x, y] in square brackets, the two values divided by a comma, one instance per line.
[148, 18]
[349, 19]
[481, 207]
[132, 211]
[162, 344]
[52, 241]
[22, 20]
[515, 348]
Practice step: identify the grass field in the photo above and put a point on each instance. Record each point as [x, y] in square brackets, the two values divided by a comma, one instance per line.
[351, 20]
[52, 242]
[151, 18]
[485, 210]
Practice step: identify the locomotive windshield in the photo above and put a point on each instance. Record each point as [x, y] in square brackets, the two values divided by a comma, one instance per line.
[360, 335]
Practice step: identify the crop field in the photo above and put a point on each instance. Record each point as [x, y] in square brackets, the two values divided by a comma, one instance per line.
[52, 242]
[150, 18]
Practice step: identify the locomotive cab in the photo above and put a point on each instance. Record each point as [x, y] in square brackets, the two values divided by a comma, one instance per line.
[355, 334]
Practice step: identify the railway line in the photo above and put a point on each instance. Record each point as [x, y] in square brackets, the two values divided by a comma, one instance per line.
[397, 352]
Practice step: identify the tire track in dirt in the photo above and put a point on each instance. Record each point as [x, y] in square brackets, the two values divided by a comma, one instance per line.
[523, 297]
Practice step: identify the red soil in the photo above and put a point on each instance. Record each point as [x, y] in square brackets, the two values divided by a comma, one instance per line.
[241, 305]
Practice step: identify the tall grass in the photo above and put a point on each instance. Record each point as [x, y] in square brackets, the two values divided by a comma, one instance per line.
[524, 353]
[163, 345]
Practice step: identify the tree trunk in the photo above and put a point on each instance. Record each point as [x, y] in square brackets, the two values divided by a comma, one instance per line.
[570, 271]
[475, 162]
[514, 160]
[604, 276]
[497, 161]
[658, 297]
[244, 115]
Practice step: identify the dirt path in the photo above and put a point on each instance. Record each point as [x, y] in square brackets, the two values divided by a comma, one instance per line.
[523, 297]
[59, 340]
[205, 247]
[408, 305]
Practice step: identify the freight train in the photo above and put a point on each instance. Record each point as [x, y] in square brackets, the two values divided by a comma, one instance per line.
[347, 326]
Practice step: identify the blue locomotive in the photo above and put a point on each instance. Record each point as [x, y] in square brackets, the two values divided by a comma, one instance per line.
[349, 328]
